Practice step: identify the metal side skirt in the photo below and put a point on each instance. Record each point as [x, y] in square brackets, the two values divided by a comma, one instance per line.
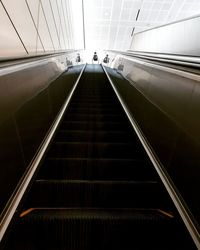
[34, 165]
[159, 168]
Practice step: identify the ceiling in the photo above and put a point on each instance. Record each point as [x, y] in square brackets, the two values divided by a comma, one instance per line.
[109, 24]
[54, 25]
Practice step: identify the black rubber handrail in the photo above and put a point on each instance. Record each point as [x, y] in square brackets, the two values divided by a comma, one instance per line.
[190, 63]
[5, 62]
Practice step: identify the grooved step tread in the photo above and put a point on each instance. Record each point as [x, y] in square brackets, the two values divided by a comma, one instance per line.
[92, 110]
[97, 169]
[96, 136]
[89, 229]
[96, 150]
[96, 117]
[98, 213]
[93, 193]
[83, 125]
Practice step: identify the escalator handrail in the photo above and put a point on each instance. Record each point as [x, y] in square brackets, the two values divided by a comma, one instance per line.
[188, 221]
[11, 208]
[7, 62]
[189, 62]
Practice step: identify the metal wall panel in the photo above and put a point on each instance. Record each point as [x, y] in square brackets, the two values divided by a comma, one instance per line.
[21, 18]
[44, 31]
[51, 24]
[33, 6]
[9, 41]
[35, 26]
[57, 21]
[180, 38]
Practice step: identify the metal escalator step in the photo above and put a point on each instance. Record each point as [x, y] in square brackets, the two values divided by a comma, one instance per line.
[111, 126]
[94, 103]
[97, 169]
[98, 100]
[95, 117]
[96, 150]
[104, 194]
[89, 229]
[93, 94]
[94, 136]
[93, 110]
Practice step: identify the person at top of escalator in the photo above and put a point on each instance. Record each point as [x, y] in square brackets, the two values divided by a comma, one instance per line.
[78, 58]
[106, 59]
[95, 58]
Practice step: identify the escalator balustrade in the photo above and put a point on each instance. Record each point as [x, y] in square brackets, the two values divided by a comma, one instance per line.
[96, 188]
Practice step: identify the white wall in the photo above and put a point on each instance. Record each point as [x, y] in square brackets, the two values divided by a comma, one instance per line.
[29, 27]
[180, 38]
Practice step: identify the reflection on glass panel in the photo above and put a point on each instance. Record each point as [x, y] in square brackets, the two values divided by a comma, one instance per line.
[33, 6]
[44, 32]
[21, 17]
[51, 23]
[10, 44]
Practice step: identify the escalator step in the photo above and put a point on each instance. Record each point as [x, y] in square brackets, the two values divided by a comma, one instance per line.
[92, 110]
[97, 101]
[89, 229]
[84, 125]
[96, 150]
[87, 97]
[97, 118]
[94, 136]
[97, 169]
[107, 104]
[105, 194]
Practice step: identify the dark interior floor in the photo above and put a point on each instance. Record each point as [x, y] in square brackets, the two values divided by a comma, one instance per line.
[97, 188]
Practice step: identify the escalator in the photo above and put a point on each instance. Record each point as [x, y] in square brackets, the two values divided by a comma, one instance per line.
[96, 188]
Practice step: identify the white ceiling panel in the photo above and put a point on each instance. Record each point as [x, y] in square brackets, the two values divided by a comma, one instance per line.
[109, 23]
[107, 3]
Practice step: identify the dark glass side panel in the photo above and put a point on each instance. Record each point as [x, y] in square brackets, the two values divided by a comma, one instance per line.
[33, 121]
[177, 150]
[24, 130]
[11, 160]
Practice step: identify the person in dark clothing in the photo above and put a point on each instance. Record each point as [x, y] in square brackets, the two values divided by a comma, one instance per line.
[106, 59]
[78, 58]
[95, 58]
